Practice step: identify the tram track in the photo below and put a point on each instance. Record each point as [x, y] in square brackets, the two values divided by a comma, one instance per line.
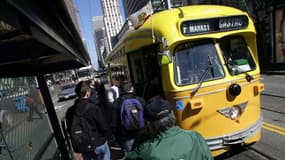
[246, 152]
[272, 95]
[273, 126]
[268, 108]
[271, 110]
[261, 153]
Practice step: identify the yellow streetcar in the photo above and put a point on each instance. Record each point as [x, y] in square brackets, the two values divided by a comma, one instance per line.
[203, 59]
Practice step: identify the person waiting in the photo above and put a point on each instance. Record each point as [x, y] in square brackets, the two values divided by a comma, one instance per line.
[165, 140]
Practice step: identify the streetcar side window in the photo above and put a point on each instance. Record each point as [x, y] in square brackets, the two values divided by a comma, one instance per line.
[195, 61]
[236, 55]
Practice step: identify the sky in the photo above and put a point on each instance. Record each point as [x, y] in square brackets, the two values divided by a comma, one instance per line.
[86, 10]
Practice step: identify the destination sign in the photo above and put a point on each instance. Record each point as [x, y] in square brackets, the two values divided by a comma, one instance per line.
[220, 24]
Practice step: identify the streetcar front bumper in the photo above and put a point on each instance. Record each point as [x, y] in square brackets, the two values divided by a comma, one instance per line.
[234, 138]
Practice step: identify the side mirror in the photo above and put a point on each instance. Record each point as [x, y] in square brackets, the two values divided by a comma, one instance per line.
[165, 57]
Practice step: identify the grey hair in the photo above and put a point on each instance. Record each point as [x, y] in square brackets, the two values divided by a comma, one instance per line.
[162, 124]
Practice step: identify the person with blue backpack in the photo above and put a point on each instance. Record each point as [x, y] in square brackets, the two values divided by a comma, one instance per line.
[129, 117]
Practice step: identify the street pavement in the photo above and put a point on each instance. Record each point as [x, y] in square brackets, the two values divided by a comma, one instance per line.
[274, 83]
[273, 110]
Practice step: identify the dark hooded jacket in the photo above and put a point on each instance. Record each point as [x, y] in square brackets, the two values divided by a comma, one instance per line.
[95, 119]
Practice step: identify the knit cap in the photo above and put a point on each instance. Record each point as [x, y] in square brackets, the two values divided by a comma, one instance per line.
[157, 108]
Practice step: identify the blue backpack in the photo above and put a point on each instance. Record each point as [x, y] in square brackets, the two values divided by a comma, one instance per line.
[131, 114]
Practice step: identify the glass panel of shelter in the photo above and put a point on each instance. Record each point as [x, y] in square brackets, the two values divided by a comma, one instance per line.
[24, 125]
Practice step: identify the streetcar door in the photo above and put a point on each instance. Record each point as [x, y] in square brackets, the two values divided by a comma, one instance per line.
[144, 71]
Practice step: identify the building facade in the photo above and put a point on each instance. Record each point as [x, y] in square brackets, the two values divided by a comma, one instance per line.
[131, 6]
[273, 30]
[100, 40]
[113, 21]
[269, 19]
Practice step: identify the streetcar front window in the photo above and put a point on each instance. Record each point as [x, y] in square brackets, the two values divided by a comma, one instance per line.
[83, 73]
[236, 55]
[196, 62]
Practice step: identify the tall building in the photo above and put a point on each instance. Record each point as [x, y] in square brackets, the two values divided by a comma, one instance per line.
[100, 40]
[112, 19]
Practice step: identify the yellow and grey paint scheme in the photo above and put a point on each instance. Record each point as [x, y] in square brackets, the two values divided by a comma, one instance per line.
[208, 111]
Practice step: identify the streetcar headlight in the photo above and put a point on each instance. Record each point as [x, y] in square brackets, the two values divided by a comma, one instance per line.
[234, 112]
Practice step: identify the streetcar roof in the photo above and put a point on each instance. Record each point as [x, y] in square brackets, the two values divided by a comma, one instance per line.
[158, 25]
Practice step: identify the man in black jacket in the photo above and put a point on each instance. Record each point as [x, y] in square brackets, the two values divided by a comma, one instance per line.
[98, 129]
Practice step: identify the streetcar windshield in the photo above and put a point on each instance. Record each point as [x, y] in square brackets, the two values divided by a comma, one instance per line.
[83, 73]
[192, 60]
[236, 55]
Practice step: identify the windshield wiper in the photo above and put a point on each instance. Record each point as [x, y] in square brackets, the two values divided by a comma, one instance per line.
[204, 75]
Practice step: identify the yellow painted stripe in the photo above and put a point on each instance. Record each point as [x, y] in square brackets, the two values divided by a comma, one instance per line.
[273, 129]
[274, 126]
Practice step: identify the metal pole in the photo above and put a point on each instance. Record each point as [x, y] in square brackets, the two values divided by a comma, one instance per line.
[53, 117]
[168, 4]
